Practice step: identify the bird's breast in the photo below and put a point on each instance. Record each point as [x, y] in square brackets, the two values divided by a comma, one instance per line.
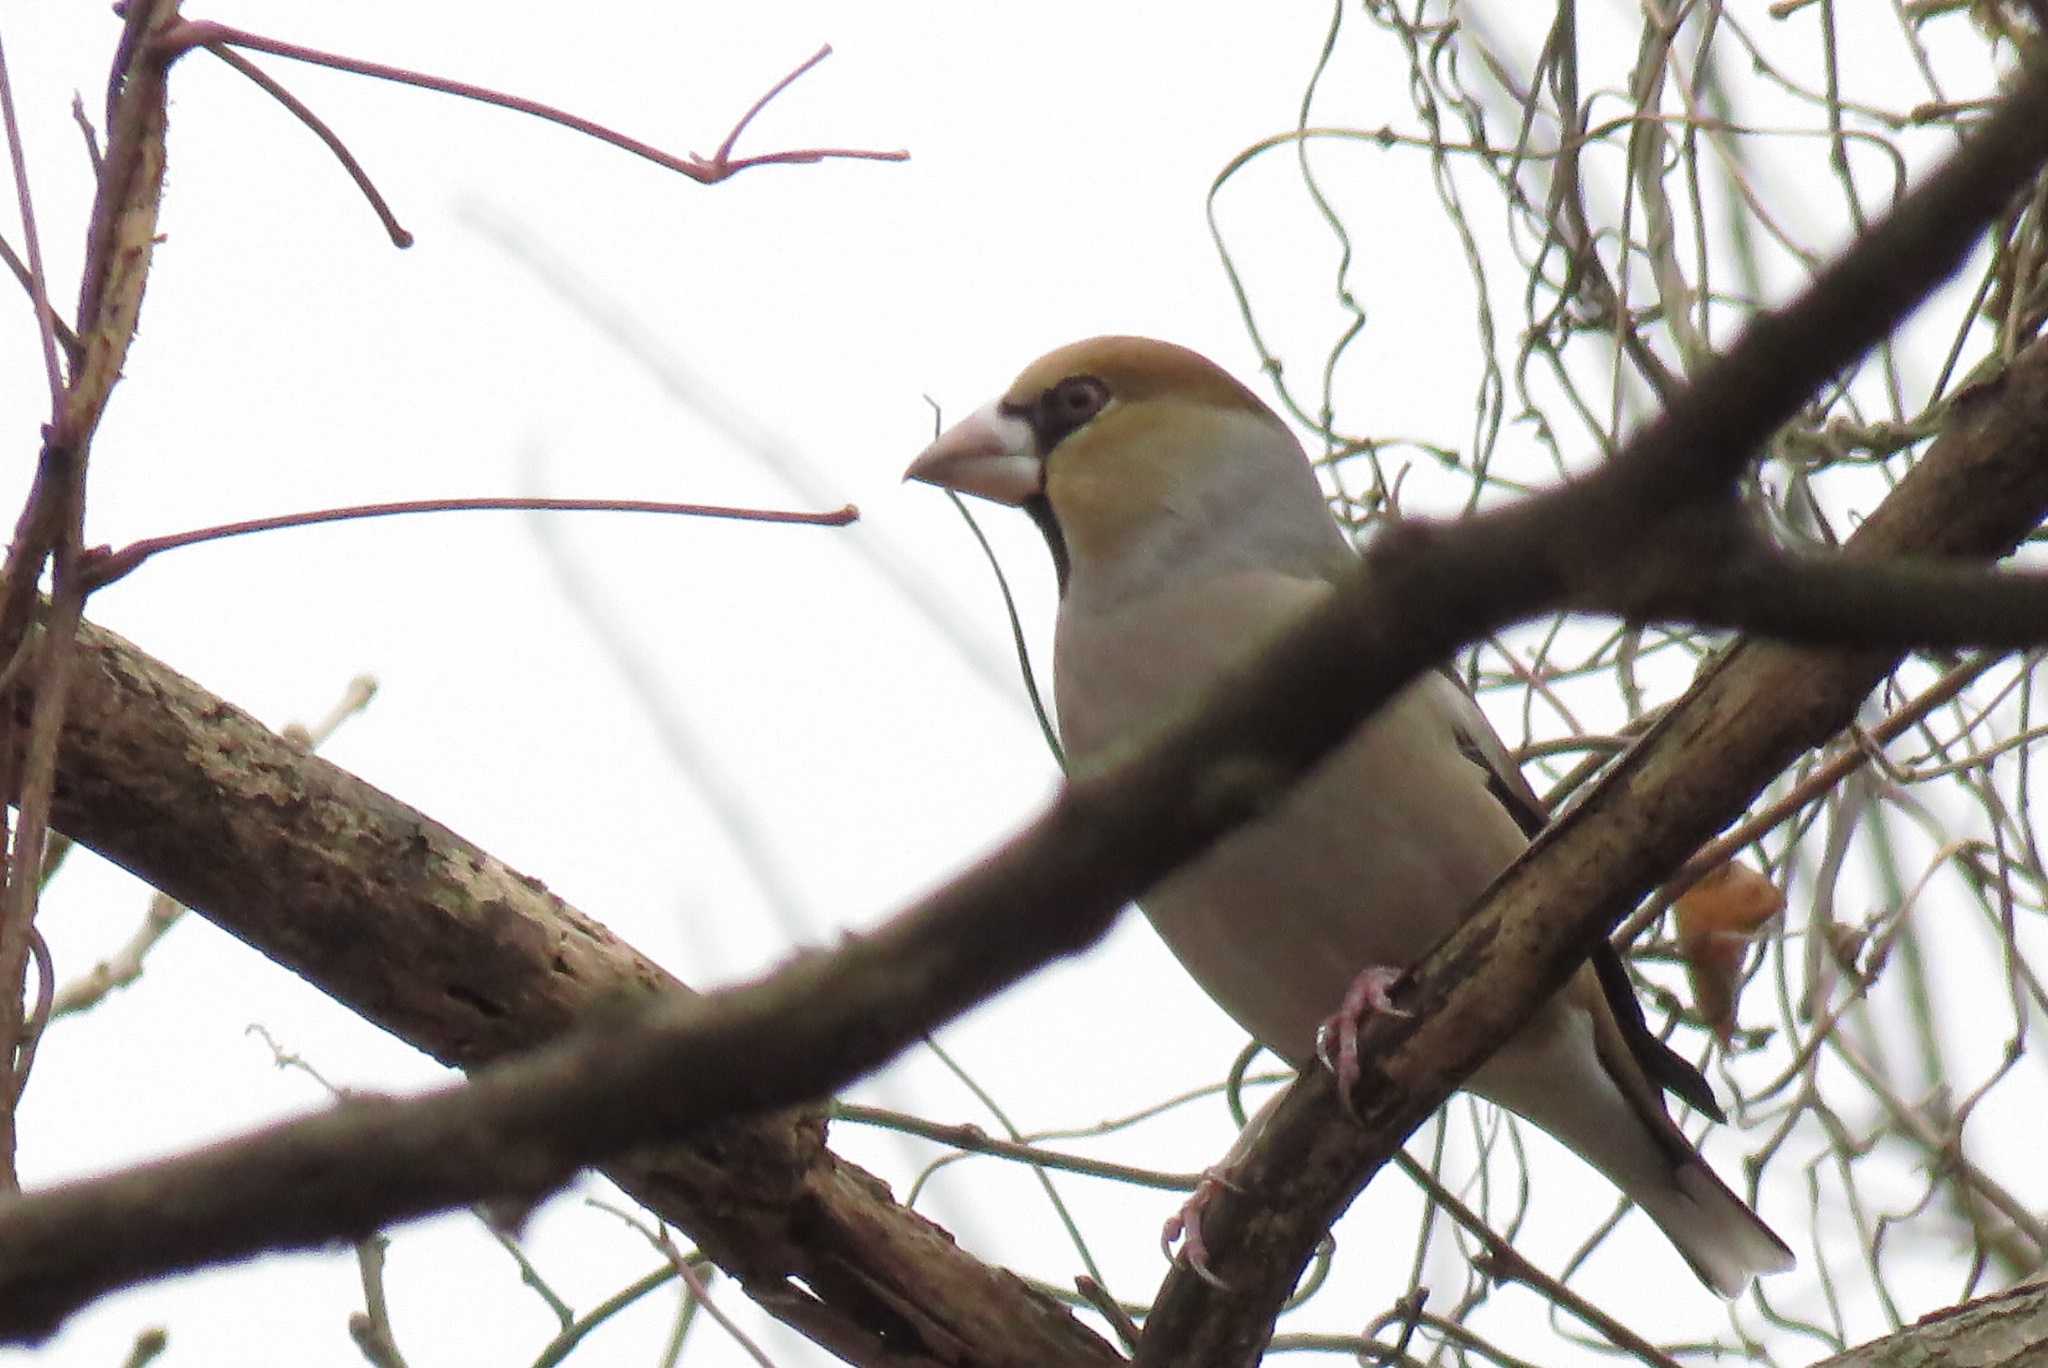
[1370, 859]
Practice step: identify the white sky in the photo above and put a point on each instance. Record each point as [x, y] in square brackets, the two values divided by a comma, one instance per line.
[291, 359]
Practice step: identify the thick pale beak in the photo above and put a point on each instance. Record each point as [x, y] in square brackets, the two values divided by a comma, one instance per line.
[988, 453]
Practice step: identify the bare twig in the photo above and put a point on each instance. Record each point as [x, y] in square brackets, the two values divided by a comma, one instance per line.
[121, 968]
[370, 1328]
[107, 565]
[1502, 1261]
[85, 131]
[66, 338]
[32, 243]
[147, 1347]
[189, 34]
[392, 228]
[577, 1330]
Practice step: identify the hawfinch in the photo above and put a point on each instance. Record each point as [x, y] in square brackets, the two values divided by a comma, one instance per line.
[1186, 524]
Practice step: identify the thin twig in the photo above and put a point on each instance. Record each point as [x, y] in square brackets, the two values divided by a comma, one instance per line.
[975, 1140]
[574, 1333]
[399, 236]
[85, 130]
[38, 288]
[1502, 1260]
[108, 565]
[148, 1345]
[66, 337]
[188, 34]
[370, 1328]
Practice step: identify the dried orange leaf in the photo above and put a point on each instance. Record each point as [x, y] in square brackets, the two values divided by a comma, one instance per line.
[1718, 917]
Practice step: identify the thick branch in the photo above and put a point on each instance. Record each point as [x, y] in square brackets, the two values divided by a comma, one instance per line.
[2007, 1328]
[1831, 600]
[443, 945]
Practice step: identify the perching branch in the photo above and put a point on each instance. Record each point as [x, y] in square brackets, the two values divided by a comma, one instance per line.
[436, 941]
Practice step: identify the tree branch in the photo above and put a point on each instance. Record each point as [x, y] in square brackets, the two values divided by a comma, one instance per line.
[440, 943]
[2005, 1328]
[1831, 600]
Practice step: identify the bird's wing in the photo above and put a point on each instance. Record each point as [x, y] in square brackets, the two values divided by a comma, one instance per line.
[1660, 1064]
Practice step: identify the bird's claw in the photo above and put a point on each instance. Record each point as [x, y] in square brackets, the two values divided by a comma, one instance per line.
[1187, 1222]
[1369, 995]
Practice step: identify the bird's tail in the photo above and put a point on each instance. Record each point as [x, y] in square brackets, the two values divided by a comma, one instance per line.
[1726, 1243]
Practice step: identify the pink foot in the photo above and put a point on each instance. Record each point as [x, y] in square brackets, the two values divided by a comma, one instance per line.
[1337, 1037]
[1188, 1221]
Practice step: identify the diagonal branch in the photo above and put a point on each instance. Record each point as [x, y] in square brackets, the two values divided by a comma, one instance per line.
[1830, 600]
[438, 942]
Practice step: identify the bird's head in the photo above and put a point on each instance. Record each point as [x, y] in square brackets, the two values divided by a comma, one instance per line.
[1122, 445]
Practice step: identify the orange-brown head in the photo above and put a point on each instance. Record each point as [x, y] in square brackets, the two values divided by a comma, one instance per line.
[1123, 447]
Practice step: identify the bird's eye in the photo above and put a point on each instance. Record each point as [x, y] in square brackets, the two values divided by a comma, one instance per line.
[1072, 402]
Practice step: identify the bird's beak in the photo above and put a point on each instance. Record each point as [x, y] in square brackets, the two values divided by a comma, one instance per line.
[988, 453]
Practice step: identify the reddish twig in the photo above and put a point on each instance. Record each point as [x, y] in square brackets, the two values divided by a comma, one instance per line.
[188, 34]
[38, 1018]
[85, 129]
[51, 526]
[399, 236]
[32, 246]
[52, 521]
[65, 336]
[723, 157]
[107, 565]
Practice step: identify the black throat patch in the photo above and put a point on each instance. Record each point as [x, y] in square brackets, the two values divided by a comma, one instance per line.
[1040, 510]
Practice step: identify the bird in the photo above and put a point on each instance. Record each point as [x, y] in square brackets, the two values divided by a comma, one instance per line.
[1186, 524]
